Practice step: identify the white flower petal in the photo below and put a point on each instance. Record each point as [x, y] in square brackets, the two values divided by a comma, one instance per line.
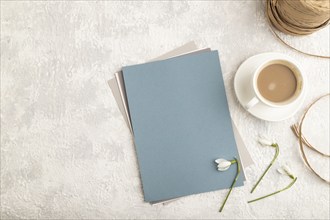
[218, 160]
[223, 168]
[281, 171]
[287, 169]
[223, 164]
[265, 142]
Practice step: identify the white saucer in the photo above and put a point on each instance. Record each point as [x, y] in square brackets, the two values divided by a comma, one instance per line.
[244, 92]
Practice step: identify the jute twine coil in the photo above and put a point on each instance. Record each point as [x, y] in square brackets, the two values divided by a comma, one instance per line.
[298, 17]
[297, 129]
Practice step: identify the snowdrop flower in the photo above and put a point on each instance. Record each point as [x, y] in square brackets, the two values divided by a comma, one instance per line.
[283, 170]
[266, 142]
[223, 164]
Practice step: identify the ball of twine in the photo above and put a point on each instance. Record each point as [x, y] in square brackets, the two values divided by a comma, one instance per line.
[299, 17]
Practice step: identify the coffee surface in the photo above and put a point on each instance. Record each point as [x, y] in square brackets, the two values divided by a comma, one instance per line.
[277, 83]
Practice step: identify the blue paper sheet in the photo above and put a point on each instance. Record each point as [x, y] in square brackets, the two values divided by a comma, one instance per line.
[181, 124]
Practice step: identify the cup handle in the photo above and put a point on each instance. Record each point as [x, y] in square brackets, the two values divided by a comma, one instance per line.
[251, 103]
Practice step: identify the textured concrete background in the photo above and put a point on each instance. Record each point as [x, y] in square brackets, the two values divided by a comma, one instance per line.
[65, 149]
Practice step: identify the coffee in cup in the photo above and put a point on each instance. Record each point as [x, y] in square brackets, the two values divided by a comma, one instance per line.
[276, 83]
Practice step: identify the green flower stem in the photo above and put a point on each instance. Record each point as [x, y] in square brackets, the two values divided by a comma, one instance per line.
[277, 150]
[233, 184]
[289, 174]
[293, 181]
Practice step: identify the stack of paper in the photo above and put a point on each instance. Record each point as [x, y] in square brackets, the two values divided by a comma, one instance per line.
[177, 111]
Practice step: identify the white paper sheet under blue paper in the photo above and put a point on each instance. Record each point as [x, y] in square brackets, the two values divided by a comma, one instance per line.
[181, 124]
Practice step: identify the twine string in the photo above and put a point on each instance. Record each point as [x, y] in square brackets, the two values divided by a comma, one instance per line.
[301, 139]
[295, 129]
[300, 17]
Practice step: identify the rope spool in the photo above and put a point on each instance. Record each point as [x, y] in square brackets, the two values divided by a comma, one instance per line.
[299, 17]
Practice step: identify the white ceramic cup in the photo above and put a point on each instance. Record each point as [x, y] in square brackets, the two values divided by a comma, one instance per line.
[301, 84]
